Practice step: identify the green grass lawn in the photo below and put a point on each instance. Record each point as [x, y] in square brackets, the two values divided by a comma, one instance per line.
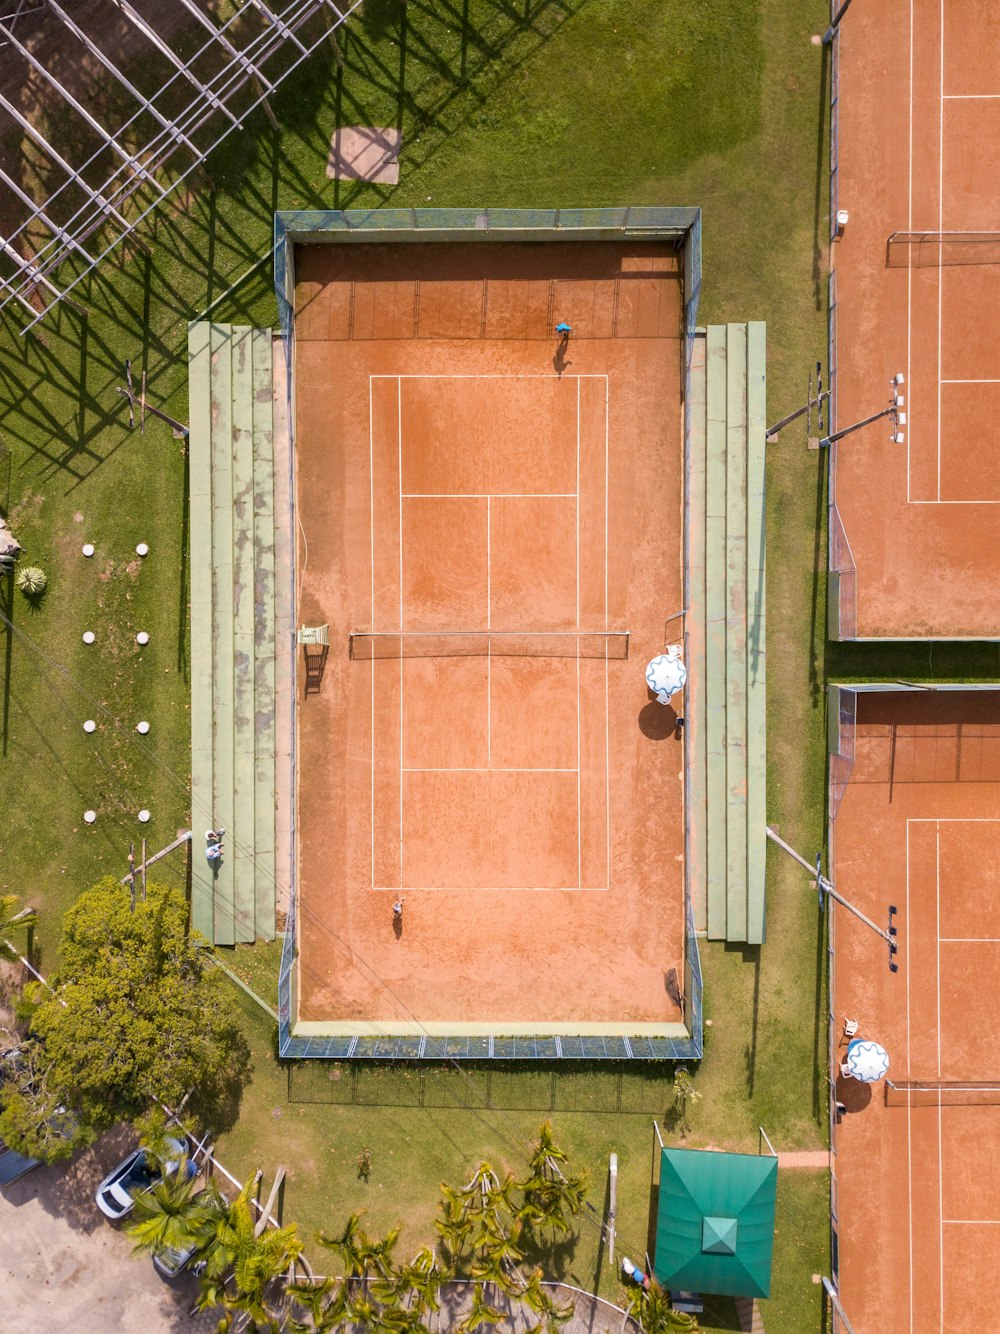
[503, 103]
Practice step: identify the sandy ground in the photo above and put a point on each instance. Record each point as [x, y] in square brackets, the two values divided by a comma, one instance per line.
[65, 1267]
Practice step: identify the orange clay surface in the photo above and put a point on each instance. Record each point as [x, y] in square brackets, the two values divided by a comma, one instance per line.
[919, 149]
[919, 826]
[456, 470]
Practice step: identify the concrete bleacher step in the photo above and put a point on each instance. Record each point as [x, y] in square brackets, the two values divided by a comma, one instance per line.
[725, 631]
[233, 623]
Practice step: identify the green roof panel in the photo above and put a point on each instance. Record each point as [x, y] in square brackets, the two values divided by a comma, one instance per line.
[715, 1222]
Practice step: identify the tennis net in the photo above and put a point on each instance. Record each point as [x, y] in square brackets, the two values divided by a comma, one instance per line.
[942, 1092]
[919, 250]
[608, 645]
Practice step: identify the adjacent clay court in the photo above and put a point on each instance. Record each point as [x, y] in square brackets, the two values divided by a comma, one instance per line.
[490, 522]
[919, 826]
[918, 124]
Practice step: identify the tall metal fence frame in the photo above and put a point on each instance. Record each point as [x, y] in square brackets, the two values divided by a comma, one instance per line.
[680, 225]
[258, 45]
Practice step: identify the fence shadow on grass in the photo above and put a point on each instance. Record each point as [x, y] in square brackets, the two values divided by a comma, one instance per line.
[7, 608]
[541, 1088]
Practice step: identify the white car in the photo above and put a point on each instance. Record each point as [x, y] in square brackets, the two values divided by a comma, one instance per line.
[135, 1174]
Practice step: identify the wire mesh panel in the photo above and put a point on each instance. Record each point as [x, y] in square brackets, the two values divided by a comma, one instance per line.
[842, 759]
[834, 131]
[842, 564]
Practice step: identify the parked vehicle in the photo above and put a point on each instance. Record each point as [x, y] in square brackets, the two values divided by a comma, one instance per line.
[15, 1165]
[137, 1173]
[169, 1263]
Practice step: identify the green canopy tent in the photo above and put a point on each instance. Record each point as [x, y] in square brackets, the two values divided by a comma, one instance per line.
[715, 1222]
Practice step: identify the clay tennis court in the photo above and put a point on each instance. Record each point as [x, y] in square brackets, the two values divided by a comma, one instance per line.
[919, 826]
[919, 152]
[490, 523]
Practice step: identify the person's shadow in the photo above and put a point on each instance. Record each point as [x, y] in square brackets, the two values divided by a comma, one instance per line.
[397, 925]
[560, 361]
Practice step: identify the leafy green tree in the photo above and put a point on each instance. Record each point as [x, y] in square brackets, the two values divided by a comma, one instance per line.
[34, 1119]
[135, 1014]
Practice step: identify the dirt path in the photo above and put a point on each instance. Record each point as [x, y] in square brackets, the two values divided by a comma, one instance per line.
[66, 1268]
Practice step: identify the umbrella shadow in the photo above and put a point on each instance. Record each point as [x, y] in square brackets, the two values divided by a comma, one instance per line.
[658, 721]
[852, 1094]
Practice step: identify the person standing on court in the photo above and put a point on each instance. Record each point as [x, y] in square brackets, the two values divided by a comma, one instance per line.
[564, 329]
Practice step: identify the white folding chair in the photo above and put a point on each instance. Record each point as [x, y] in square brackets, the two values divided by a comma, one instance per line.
[850, 1028]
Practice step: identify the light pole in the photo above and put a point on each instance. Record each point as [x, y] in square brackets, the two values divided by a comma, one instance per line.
[894, 410]
[831, 32]
[826, 887]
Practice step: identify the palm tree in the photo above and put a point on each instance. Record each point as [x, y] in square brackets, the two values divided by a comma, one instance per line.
[240, 1267]
[549, 1194]
[172, 1215]
[481, 1314]
[424, 1276]
[350, 1245]
[651, 1307]
[454, 1226]
[13, 919]
[325, 1306]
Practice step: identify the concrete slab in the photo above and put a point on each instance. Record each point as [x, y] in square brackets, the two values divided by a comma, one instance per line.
[364, 153]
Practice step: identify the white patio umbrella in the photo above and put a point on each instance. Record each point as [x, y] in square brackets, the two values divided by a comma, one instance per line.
[867, 1060]
[666, 674]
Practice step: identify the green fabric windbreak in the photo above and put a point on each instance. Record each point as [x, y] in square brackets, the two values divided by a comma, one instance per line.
[715, 1222]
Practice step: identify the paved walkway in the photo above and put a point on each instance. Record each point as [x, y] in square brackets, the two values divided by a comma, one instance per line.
[814, 1158]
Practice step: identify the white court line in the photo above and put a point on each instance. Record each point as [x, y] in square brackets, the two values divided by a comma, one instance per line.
[399, 484]
[971, 97]
[607, 706]
[940, 260]
[973, 1221]
[489, 495]
[909, 1110]
[970, 940]
[989, 381]
[371, 526]
[493, 889]
[579, 776]
[909, 343]
[480, 769]
[937, 933]
[496, 375]
[490, 655]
